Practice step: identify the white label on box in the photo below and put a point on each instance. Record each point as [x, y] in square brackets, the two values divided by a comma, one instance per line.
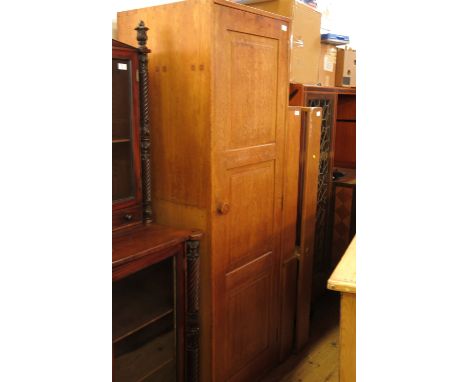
[121, 66]
[327, 64]
[318, 114]
[284, 28]
[297, 112]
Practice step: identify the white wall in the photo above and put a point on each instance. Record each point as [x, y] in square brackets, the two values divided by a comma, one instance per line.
[125, 5]
[340, 17]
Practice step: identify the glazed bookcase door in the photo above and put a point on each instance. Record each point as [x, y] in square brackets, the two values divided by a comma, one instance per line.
[126, 177]
[322, 234]
[250, 101]
[123, 184]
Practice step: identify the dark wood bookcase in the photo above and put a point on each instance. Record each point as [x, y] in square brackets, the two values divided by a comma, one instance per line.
[155, 269]
[126, 171]
[155, 275]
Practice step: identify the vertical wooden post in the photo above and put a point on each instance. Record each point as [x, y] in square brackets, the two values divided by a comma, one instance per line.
[144, 121]
[192, 321]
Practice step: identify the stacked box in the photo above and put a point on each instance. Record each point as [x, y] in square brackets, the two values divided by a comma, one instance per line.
[345, 68]
[327, 65]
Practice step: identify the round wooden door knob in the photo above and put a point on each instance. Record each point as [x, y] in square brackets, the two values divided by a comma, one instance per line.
[224, 208]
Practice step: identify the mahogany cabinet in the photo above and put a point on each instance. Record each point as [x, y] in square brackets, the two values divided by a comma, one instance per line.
[154, 268]
[302, 152]
[345, 134]
[218, 100]
[154, 304]
[336, 148]
[343, 214]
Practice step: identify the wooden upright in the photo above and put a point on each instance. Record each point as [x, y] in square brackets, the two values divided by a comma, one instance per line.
[343, 280]
[218, 98]
[302, 152]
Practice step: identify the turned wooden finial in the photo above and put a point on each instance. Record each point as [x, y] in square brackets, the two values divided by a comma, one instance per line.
[142, 37]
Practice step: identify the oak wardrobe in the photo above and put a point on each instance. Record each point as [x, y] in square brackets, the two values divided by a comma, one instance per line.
[218, 100]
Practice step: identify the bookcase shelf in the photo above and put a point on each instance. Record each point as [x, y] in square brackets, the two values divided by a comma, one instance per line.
[144, 352]
[142, 298]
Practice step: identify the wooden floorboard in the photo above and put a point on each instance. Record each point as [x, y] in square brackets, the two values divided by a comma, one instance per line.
[318, 362]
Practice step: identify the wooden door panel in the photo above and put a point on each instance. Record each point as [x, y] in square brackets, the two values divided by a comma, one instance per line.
[250, 100]
[345, 144]
[346, 107]
[288, 306]
[251, 217]
[251, 270]
[249, 155]
[253, 67]
[247, 305]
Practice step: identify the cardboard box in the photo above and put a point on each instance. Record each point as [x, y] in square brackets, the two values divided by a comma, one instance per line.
[327, 65]
[305, 51]
[345, 68]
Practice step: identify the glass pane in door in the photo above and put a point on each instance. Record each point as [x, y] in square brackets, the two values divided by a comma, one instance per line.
[122, 154]
[122, 171]
[121, 99]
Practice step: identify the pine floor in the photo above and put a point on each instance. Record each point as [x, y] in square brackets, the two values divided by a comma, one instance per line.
[318, 362]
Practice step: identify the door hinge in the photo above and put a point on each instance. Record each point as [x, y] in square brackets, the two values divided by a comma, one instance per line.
[137, 76]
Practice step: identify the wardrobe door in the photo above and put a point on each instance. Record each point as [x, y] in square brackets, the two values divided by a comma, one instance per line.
[289, 255]
[309, 173]
[250, 101]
